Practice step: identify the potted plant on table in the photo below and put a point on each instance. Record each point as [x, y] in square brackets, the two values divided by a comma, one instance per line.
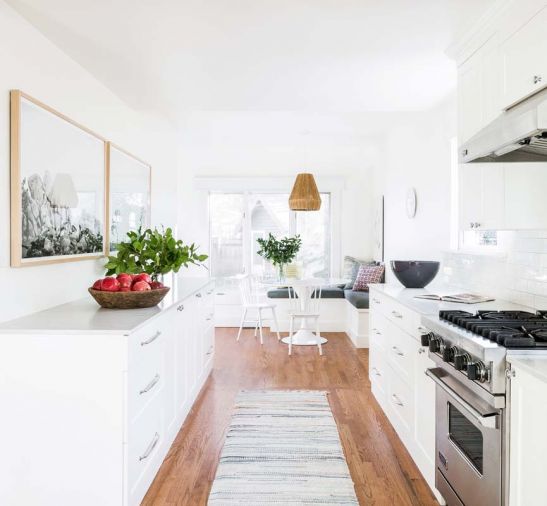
[279, 252]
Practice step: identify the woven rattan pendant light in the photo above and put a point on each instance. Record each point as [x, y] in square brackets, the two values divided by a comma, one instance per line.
[304, 195]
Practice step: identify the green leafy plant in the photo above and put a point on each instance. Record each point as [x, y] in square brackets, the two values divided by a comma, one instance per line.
[279, 251]
[154, 252]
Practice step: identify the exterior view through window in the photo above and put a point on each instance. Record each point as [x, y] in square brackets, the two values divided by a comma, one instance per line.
[237, 220]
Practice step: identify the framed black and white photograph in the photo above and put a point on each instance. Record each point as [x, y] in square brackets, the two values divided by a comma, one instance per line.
[129, 185]
[58, 179]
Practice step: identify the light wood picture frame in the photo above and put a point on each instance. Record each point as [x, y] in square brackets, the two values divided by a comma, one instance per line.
[128, 194]
[58, 186]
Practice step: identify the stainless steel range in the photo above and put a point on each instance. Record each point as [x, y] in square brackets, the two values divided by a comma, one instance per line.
[469, 350]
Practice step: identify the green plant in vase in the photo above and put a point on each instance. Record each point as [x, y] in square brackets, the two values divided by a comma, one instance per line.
[279, 252]
[154, 252]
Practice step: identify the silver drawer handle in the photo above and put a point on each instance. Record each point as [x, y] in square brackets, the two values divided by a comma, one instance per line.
[209, 292]
[376, 372]
[221, 293]
[150, 448]
[151, 339]
[397, 400]
[210, 351]
[376, 301]
[208, 319]
[421, 350]
[180, 308]
[398, 351]
[198, 295]
[396, 314]
[150, 385]
[422, 329]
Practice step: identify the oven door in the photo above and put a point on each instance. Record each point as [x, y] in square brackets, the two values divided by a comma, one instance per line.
[468, 443]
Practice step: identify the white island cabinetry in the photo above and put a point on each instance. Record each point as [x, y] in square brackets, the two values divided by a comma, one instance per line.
[92, 399]
[398, 381]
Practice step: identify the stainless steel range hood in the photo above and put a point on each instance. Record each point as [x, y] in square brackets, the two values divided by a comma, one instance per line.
[517, 135]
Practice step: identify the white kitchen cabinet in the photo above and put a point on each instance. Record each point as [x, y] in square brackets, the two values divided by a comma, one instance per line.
[92, 411]
[524, 62]
[479, 90]
[397, 364]
[528, 444]
[482, 196]
[525, 202]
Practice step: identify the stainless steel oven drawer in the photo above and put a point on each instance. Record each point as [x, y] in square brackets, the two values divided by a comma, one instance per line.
[446, 490]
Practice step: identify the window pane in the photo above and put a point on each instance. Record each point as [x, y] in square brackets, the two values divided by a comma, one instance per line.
[466, 436]
[226, 215]
[314, 230]
[269, 213]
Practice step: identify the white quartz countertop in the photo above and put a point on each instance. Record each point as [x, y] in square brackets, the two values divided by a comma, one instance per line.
[84, 316]
[535, 365]
[407, 296]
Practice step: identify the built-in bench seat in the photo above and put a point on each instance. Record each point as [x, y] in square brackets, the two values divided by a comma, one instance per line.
[357, 299]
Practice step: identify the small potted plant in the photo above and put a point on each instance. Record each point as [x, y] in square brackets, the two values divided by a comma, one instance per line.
[279, 252]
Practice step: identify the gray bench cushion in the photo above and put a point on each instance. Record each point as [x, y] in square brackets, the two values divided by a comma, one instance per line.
[329, 292]
[358, 299]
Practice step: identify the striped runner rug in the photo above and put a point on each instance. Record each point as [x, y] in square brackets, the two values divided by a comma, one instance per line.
[282, 448]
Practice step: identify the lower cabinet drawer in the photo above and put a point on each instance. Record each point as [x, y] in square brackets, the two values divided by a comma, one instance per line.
[401, 403]
[377, 368]
[145, 450]
[400, 351]
[378, 329]
[145, 380]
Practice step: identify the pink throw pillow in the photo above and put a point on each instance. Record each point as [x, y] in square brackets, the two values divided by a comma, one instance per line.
[368, 274]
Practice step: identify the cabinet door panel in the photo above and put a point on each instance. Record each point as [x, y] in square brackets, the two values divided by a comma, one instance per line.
[524, 61]
[525, 202]
[470, 195]
[493, 197]
[528, 447]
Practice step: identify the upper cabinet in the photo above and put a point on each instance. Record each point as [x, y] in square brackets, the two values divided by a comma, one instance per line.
[478, 89]
[501, 62]
[524, 61]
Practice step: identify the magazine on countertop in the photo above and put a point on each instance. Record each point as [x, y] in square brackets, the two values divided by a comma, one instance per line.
[462, 298]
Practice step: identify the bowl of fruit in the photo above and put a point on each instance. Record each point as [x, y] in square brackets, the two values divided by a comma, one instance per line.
[128, 291]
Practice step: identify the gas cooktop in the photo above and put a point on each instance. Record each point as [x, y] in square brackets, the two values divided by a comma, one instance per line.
[511, 329]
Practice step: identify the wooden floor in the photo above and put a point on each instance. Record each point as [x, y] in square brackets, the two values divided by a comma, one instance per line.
[381, 468]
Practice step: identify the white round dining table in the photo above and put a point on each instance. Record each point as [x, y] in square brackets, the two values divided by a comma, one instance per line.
[304, 336]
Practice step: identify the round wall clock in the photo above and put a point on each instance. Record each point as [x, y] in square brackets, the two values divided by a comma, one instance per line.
[411, 203]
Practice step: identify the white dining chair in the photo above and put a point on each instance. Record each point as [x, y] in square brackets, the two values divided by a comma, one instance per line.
[305, 304]
[253, 300]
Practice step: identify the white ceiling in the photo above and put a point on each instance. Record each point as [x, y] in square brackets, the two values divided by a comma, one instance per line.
[307, 55]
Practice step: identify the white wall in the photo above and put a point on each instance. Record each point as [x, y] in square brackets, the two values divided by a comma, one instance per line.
[274, 144]
[33, 64]
[417, 153]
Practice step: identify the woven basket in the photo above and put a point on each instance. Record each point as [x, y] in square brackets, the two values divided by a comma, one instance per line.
[129, 300]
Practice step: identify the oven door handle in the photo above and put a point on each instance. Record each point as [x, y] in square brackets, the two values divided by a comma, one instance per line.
[485, 421]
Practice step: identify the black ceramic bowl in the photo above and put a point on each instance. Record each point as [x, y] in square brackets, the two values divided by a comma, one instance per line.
[414, 273]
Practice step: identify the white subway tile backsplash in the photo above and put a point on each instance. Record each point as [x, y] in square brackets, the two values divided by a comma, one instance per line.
[519, 275]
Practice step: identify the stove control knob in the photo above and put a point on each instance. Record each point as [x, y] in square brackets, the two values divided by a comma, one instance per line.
[435, 344]
[448, 353]
[425, 338]
[460, 361]
[476, 371]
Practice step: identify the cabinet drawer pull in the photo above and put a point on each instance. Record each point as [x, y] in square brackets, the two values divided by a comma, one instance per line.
[180, 308]
[198, 295]
[210, 351]
[421, 350]
[397, 400]
[150, 385]
[209, 292]
[150, 448]
[208, 319]
[397, 351]
[151, 339]
[396, 314]
[537, 79]
[376, 301]
[376, 372]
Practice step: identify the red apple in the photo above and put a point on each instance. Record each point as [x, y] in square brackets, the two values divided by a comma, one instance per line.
[140, 286]
[97, 284]
[110, 285]
[125, 279]
[125, 288]
[142, 277]
[155, 285]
